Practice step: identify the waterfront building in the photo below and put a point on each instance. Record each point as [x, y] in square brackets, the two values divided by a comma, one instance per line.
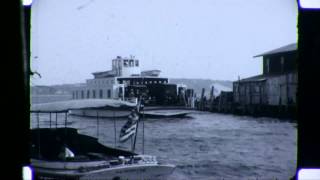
[276, 86]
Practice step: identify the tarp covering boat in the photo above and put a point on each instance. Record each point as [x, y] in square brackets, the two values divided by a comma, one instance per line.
[47, 144]
[61, 106]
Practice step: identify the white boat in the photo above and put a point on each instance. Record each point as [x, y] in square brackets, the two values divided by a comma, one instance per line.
[166, 112]
[108, 108]
[63, 153]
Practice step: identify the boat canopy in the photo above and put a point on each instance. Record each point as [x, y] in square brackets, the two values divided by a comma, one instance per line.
[64, 106]
[48, 143]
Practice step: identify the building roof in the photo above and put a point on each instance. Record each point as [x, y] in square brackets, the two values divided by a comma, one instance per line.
[258, 78]
[287, 48]
[253, 79]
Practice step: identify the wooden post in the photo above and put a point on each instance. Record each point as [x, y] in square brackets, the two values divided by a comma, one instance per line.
[211, 93]
[220, 99]
[202, 100]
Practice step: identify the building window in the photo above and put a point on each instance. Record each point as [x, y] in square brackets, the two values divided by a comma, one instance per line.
[88, 94]
[267, 65]
[109, 93]
[100, 93]
[282, 63]
[93, 93]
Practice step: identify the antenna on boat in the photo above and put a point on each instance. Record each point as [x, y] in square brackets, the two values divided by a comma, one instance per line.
[97, 124]
[141, 100]
[115, 130]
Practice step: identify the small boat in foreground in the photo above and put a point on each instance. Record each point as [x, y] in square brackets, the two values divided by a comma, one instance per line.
[89, 159]
[63, 153]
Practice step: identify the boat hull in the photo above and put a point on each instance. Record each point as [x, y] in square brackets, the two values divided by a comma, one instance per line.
[166, 111]
[156, 112]
[96, 170]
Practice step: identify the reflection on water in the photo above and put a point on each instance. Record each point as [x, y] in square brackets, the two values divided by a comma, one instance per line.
[205, 145]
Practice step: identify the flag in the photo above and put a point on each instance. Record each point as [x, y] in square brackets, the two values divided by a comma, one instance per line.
[129, 129]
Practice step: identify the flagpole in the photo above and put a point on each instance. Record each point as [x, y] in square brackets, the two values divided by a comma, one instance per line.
[143, 132]
[115, 130]
[135, 136]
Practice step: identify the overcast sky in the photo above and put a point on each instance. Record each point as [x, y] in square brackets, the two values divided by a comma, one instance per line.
[209, 39]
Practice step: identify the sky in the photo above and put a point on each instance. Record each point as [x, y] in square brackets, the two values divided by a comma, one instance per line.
[207, 39]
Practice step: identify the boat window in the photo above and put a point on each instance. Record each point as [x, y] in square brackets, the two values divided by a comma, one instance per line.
[131, 63]
[137, 63]
[109, 93]
[100, 93]
[125, 63]
[82, 94]
[93, 93]
[88, 94]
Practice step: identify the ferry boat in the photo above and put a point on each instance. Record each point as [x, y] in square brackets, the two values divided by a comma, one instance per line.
[125, 81]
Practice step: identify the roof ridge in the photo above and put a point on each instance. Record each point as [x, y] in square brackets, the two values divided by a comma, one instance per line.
[286, 48]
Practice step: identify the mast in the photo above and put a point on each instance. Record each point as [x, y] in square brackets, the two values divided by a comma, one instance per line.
[135, 136]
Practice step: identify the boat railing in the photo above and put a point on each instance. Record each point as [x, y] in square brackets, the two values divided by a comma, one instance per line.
[53, 121]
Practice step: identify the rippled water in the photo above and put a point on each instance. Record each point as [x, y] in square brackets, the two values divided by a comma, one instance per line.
[207, 145]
